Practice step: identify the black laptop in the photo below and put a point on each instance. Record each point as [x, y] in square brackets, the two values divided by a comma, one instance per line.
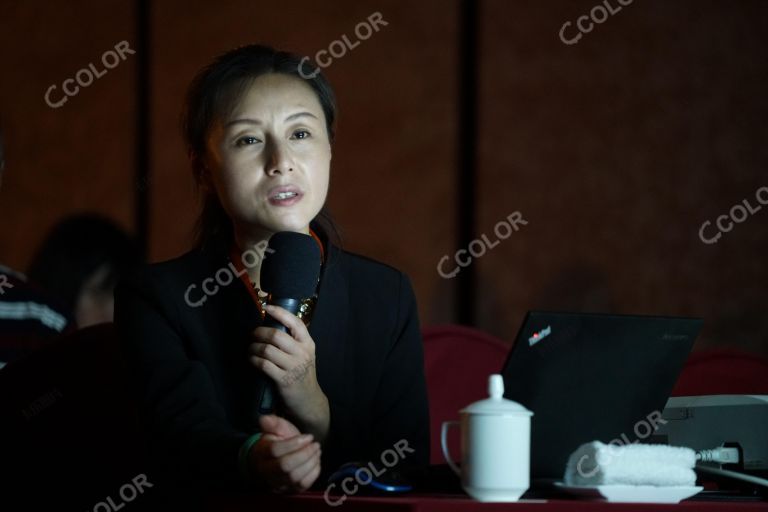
[593, 377]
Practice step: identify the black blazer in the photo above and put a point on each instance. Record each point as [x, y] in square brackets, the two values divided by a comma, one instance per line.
[195, 385]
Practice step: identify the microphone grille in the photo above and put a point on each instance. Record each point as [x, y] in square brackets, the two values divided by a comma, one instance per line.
[291, 268]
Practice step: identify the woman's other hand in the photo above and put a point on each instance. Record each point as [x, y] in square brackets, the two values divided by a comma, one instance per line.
[287, 460]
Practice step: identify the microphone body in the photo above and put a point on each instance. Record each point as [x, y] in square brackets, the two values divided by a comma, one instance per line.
[268, 392]
[289, 274]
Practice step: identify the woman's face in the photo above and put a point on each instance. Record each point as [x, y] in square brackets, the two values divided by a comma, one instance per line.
[269, 160]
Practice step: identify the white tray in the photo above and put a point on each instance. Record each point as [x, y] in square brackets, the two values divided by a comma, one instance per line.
[632, 493]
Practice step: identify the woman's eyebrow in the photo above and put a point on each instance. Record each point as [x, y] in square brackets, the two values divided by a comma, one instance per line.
[300, 114]
[256, 121]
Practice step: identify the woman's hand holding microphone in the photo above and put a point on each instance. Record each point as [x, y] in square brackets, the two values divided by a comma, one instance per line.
[288, 460]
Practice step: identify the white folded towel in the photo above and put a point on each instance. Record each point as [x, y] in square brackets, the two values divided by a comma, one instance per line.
[597, 463]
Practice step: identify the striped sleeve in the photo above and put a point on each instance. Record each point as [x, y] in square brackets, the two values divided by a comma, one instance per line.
[27, 317]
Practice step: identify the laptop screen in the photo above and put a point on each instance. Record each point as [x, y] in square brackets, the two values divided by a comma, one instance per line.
[593, 377]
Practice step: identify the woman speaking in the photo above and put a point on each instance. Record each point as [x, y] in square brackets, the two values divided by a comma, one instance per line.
[348, 375]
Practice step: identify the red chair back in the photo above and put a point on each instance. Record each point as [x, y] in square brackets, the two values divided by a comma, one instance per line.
[723, 372]
[457, 363]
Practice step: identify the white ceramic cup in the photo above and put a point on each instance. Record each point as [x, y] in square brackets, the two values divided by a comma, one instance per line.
[495, 446]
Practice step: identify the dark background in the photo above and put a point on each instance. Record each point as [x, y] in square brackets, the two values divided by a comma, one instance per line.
[615, 149]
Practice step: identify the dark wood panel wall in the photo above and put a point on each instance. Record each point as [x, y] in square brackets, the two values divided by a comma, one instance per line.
[614, 145]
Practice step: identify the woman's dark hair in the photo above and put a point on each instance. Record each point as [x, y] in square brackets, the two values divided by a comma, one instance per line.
[214, 92]
[77, 247]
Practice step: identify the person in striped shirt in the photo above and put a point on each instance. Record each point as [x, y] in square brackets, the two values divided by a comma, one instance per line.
[28, 316]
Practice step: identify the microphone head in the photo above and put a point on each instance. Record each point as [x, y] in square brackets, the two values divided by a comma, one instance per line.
[292, 270]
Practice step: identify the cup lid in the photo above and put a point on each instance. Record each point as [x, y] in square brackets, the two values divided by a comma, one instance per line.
[496, 403]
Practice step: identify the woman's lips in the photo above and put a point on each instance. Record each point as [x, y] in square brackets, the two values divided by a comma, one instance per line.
[287, 197]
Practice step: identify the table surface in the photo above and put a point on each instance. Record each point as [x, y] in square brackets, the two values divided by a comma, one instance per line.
[313, 501]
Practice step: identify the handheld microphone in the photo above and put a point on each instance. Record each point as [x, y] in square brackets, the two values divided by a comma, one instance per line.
[289, 274]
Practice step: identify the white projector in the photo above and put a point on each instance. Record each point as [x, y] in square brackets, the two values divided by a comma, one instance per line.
[705, 422]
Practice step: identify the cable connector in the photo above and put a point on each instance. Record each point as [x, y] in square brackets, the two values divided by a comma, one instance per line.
[720, 455]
